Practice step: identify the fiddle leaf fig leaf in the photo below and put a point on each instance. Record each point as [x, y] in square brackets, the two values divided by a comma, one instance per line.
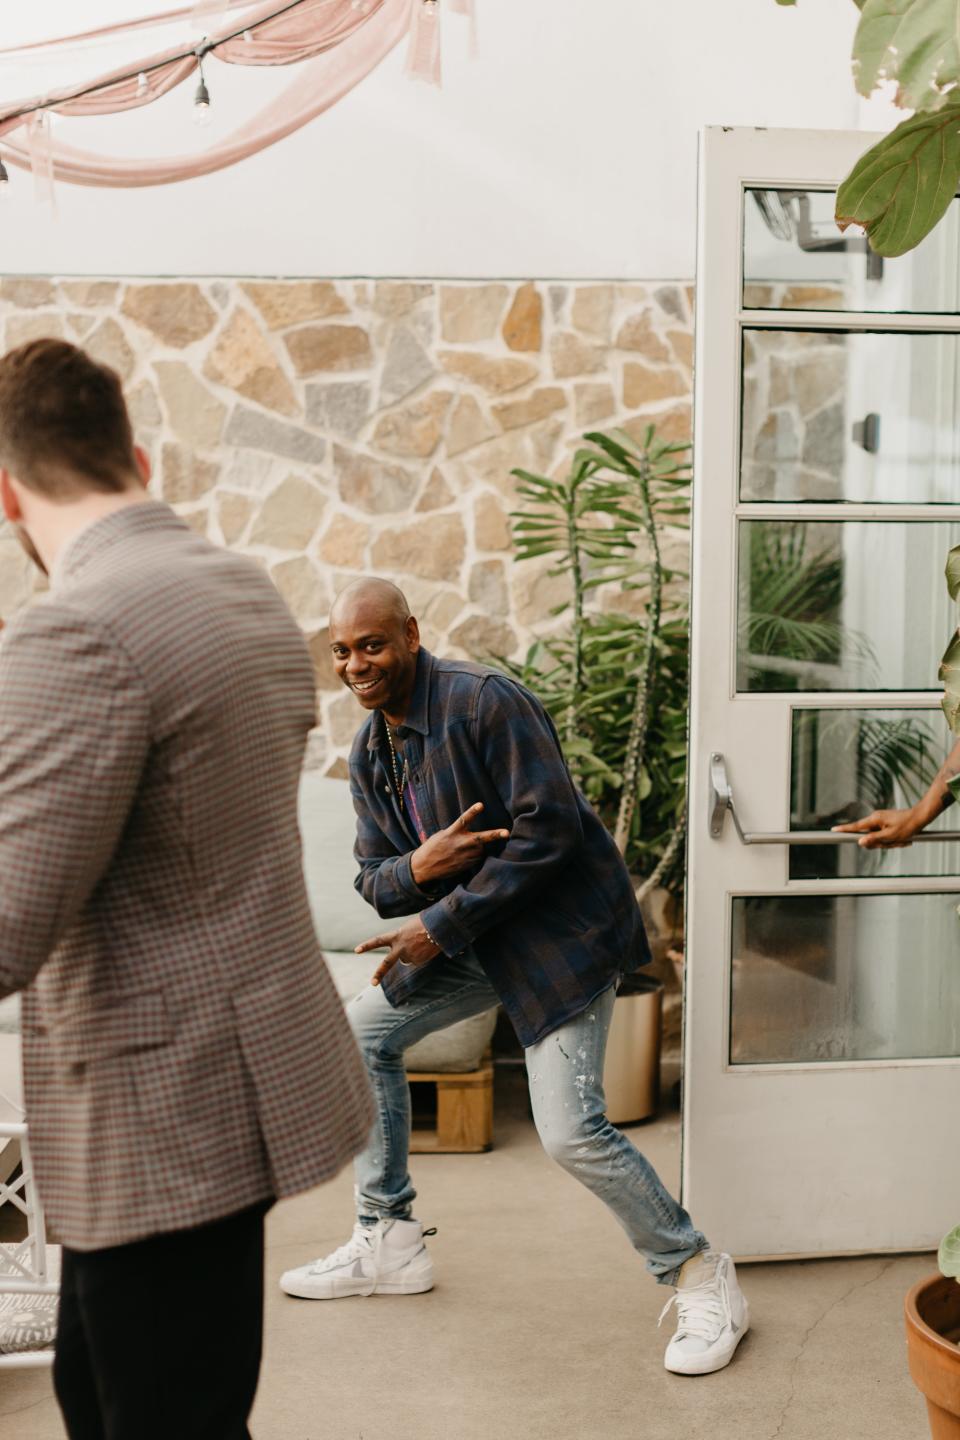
[914, 42]
[948, 1256]
[953, 572]
[950, 675]
[902, 186]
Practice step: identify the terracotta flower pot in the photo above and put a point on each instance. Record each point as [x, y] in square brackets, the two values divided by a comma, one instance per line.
[933, 1328]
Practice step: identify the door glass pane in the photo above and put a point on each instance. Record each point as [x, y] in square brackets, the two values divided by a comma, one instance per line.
[795, 258]
[844, 977]
[832, 416]
[848, 762]
[842, 605]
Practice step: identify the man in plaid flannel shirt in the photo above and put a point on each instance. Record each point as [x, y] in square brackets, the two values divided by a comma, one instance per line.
[535, 910]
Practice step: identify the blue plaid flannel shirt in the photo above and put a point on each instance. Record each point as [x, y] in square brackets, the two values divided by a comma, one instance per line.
[551, 911]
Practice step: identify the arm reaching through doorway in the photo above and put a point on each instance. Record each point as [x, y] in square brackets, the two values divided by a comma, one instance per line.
[892, 829]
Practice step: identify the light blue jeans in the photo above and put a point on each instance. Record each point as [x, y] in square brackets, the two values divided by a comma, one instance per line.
[565, 1073]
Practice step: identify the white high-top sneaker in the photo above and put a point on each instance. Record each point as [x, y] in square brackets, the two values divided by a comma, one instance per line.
[388, 1258]
[712, 1316]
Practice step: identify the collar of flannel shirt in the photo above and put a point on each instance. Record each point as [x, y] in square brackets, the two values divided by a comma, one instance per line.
[418, 712]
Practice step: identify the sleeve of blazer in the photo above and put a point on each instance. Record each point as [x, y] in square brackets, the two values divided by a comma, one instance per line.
[74, 735]
[518, 748]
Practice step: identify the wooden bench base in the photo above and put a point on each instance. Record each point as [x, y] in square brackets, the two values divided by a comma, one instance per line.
[464, 1112]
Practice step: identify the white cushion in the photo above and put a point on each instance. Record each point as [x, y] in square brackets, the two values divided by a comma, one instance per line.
[328, 828]
[458, 1047]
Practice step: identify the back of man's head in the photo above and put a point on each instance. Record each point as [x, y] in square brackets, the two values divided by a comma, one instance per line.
[64, 427]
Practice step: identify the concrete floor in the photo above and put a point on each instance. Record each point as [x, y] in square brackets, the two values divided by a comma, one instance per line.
[543, 1325]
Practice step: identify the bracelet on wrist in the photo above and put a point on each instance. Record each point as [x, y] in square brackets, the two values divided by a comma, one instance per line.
[430, 937]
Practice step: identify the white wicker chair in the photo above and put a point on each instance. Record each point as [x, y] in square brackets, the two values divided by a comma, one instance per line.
[29, 1268]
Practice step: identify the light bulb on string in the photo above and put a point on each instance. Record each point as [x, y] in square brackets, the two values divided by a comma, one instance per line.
[201, 104]
[4, 182]
[431, 6]
[141, 83]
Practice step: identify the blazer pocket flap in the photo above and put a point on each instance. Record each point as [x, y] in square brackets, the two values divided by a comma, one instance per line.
[138, 1023]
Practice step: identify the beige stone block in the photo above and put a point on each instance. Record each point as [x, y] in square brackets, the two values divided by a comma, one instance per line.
[468, 426]
[497, 377]
[681, 342]
[344, 542]
[27, 292]
[592, 310]
[490, 464]
[816, 382]
[416, 430]
[434, 551]
[290, 515]
[437, 495]
[176, 313]
[316, 348]
[637, 333]
[81, 324]
[89, 294]
[338, 769]
[511, 414]
[196, 416]
[471, 312]
[21, 329]
[487, 587]
[674, 426]
[16, 574]
[343, 719]
[441, 609]
[572, 356]
[405, 368]
[243, 360]
[294, 302]
[372, 485]
[484, 639]
[814, 297]
[197, 519]
[593, 402]
[302, 587]
[108, 345]
[392, 298]
[233, 515]
[491, 528]
[523, 327]
[320, 653]
[544, 440]
[184, 475]
[646, 384]
[536, 592]
[144, 407]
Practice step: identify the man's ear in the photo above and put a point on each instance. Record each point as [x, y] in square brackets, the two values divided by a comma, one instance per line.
[144, 468]
[9, 499]
[413, 635]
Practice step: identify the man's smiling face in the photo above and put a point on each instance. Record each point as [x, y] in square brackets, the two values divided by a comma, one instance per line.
[374, 649]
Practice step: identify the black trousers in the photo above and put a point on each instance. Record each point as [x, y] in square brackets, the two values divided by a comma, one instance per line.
[162, 1338]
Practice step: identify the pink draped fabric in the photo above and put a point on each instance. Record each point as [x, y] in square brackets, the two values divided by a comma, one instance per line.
[121, 27]
[423, 55]
[346, 45]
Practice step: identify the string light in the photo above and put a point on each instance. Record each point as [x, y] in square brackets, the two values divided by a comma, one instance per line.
[201, 100]
[431, 6]
[141, 83]
[4, 182]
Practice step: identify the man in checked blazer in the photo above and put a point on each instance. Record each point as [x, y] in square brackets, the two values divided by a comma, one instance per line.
[186, 1058]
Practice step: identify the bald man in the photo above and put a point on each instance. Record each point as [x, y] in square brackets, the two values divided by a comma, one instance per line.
[468, 822]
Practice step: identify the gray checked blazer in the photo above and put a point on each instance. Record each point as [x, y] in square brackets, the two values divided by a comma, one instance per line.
[185, 1052]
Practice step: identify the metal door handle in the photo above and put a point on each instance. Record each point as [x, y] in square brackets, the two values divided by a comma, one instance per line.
[722, 802]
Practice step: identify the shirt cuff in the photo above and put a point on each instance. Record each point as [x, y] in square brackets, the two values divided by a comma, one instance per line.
[403, 879]
[444, 930]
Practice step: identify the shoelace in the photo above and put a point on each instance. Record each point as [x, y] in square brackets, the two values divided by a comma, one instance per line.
[355, 1247]
[702, 1311]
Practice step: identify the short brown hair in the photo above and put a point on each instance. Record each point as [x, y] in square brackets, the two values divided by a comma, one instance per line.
[64, 427]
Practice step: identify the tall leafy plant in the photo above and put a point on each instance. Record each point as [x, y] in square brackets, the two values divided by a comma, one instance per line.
[902, 186]
[616, 683]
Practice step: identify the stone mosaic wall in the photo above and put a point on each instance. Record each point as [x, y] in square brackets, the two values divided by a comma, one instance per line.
[331, 429]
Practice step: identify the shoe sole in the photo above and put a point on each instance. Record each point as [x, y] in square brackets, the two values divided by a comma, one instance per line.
[343, 1289]
[710, 1364]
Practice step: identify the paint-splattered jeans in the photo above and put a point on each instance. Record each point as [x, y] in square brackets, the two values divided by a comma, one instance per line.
[565, 1071]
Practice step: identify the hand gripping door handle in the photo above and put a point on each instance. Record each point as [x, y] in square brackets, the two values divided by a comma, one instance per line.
[722, 802]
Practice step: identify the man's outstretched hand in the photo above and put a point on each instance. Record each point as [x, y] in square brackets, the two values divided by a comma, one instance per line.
[454, 849]
[886, 829]
[410, 943]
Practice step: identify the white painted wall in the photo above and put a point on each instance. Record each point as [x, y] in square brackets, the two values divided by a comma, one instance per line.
[568, 148]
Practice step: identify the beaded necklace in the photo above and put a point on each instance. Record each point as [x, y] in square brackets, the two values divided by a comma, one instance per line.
[393, 760]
